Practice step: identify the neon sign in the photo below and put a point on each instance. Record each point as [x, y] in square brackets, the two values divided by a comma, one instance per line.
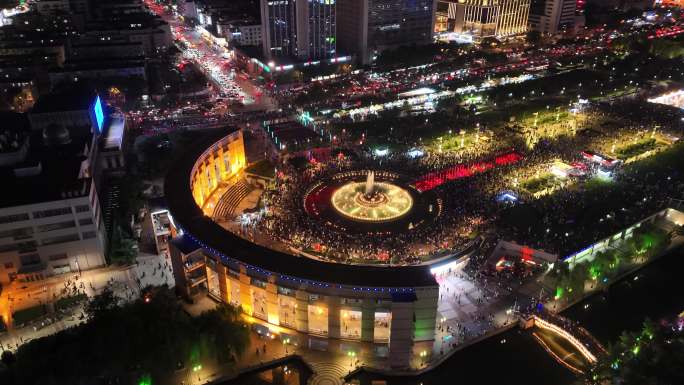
[99, 113]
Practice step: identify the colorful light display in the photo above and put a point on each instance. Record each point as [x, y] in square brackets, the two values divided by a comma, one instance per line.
[99, 113]
[436, 179]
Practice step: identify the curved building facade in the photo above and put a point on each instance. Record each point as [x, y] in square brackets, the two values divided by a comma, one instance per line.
[216, 165]
[392, 306]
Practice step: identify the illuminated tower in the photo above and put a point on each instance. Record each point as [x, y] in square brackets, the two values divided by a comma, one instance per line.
[489, 18]
[305, 30]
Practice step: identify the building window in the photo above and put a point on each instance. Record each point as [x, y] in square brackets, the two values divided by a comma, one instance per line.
[56, 226]
[85, 221]
[57, 257]
[285, 291]
[61, 239]
[30, 259]
[88, 234]
[351, 301]
[51, 212]
[14, 218]
[17, 234]
[82, 208]
[20, 246]
[9, 265]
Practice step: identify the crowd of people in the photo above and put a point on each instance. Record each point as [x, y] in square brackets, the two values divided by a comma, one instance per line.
[288, 221]
[560, 223]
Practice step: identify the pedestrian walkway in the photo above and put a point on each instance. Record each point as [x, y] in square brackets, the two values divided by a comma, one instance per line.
[126, 282]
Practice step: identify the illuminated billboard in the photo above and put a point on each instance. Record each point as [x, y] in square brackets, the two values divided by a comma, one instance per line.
[99, 113]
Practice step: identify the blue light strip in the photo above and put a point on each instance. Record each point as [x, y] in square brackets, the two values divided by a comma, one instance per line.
[295, 279]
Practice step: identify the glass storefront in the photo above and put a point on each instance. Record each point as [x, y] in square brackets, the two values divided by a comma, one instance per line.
[350, 325]
[259, 303]
[287, 311]
[381, 329]
[318, 320]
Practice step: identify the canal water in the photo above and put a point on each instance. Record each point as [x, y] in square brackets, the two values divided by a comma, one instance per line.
[515, 358]
[653, 292]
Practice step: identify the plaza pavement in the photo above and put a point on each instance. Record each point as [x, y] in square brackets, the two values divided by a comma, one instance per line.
[482, 309]
[125, 281]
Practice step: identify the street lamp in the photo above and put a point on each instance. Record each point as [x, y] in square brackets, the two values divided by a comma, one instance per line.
[196, 369]
[351, 354]
[423, 355]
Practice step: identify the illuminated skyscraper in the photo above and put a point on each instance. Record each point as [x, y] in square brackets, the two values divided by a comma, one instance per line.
[487, 18]
[304, 29]
[365, 27]
[317, 37]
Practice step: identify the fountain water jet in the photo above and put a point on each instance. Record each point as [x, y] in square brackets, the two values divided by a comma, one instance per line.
[370, 184]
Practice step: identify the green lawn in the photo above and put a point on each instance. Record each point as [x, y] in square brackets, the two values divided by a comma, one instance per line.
[539, 183]
[634, 149]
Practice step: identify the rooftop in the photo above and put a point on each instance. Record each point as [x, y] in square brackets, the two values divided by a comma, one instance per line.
[200, 228]
[115, 132]
[71, 99]
[48, 173]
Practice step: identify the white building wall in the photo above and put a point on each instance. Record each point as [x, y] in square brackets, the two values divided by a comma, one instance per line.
[56, 252]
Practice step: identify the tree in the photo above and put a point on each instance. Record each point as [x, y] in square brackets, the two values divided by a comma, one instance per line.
[101, 304]
[123, 249]
[560, 270]
[8, 358]
[149, 336]
[652, 355]
[226, 341]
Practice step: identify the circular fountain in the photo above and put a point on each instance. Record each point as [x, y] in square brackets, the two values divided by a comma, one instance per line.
[371, 201]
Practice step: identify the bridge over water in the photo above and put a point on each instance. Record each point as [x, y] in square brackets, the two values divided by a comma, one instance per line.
[565, 341]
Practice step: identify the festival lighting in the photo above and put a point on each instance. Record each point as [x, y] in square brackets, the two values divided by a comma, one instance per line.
[381, 151]
[436, 179]
[674, 99]
[390, 202]
[415, 153]
[542, 324]
[417, 92]
[507, 196]
[555, 356]
[145, 380]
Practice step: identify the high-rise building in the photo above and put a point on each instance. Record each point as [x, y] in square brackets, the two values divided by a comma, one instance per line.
[317, 35]
[553, 16]
[485, 18]
[51, 219]
[304, 30]
[365, 27]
